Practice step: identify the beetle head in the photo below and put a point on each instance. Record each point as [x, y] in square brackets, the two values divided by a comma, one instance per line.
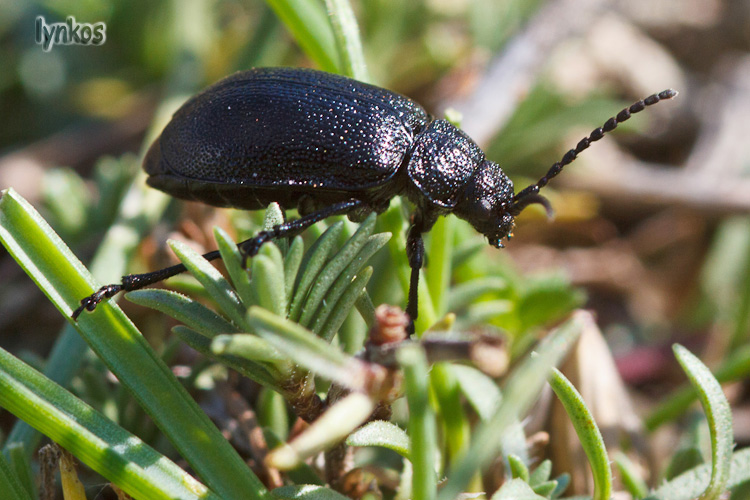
[487, 203]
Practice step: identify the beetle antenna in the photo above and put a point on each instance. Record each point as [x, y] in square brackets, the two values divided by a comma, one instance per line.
[519, 202]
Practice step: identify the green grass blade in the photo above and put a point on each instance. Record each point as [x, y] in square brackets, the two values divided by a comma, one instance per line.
[11, 484]
[268, 280]
[521, 391]
[306, 21]
[249, 369]
[183, 309]
[292, 263]
[313, 261]
[95, 440]
[64, 280]
[516, 489]
[307, 349]
[307, 492]
[736, 367]
[247, 346]
[631, 479]
[348, 43]
[381, 433]
[344, 305]
[438, 273]
[212, 280]
[719, 417]
[422, 422]
[230, 254]
[334, 268]
[692, 483]
[587, 431]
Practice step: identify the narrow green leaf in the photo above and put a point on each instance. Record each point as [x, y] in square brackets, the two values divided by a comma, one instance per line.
[736, 367]
[422, 422]
[11, 484]
[545, 488]
[343, 281]
[268, 279]
[21, 465]
[292, 262]
[518, 469]
[381, 433]
[462, 295]
[184, 309]
[273, 415]
[212, 280]
[247, 346]
[346, 35]
[541, 473]
[516, 489]
[232, 258]
[337, 422]
[307, 492]
[249, 369]
[522, 389]
[587, 431]
[438, 273]
[480, 390]
[457, 429]
[313, 261]
[351, 294]
[631, 479]
[306, 21]
[334, 268]
[718, 415]
[308, 350]
[41, 253]
[92, 438]
[693, 483]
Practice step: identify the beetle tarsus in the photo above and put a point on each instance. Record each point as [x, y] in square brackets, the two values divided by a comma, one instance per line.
[89, 303]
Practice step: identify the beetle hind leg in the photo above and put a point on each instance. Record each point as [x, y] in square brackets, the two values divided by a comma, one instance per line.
[249, 248]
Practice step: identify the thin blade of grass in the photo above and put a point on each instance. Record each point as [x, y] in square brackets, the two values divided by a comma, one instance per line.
[422, 423]
[313, 261]
[719, 417]
[346, 36]
[64, 280]
[307, 349]
[94, 439]
[522, 389]
[212, 280]
[587, 431]
[183, 309]
[306, 20]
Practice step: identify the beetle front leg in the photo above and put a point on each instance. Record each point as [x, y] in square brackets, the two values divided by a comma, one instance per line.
[415, 255]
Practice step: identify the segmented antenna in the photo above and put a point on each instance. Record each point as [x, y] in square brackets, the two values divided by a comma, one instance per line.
[518, 200]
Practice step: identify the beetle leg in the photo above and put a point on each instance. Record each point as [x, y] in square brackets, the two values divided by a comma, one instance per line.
[415, 254]
[248, 248]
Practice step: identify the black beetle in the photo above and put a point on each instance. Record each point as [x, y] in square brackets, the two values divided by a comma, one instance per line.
[332, 145]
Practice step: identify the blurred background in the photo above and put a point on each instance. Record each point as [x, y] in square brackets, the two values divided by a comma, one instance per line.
[651, 230]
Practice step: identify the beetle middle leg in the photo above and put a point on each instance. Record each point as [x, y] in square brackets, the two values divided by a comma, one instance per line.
[249, 248]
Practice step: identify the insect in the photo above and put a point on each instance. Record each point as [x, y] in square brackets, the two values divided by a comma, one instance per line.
[330, 145]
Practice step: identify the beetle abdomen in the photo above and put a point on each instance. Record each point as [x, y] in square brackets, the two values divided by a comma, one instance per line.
[269, 128]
